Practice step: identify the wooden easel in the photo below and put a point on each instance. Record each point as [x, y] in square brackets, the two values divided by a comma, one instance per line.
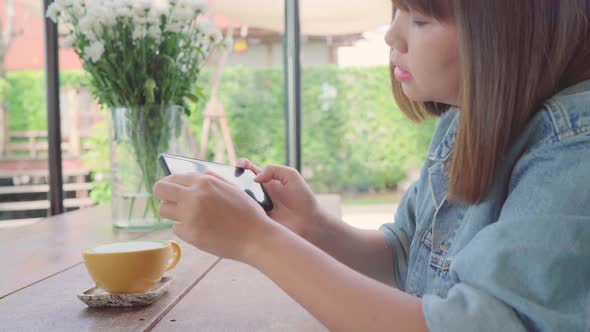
[216, 119]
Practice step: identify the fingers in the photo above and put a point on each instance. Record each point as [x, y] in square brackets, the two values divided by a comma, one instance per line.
[247, 164]
[280, 173]
[182, 179]
[215, 175]
[169, 210]
[168, 191]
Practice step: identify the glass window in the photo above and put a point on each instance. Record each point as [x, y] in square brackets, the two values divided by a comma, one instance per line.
[249, 92]
[241, 112]
[359, 151]
[24, 182]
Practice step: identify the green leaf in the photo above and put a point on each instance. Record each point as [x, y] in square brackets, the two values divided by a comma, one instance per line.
[149, 88]
[195, 99]
[167, 60]
[199, 93]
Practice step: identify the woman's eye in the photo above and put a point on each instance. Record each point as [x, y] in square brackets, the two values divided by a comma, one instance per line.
[419, 23]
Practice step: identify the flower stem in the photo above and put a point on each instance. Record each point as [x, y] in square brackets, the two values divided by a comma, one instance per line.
[133, 198]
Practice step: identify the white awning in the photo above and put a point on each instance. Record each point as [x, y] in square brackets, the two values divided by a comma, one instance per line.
[318, 17]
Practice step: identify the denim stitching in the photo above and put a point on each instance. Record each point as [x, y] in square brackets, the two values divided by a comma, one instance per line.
[437, 154]
[557, 117]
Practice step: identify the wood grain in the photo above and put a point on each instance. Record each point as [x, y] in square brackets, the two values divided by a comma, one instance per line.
[52, 304]
[33, 252]
[237, 297]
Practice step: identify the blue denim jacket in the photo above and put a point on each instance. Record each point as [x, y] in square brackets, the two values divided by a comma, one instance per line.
[520, 259]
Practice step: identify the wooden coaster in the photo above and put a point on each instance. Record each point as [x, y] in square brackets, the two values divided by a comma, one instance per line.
[96, 297]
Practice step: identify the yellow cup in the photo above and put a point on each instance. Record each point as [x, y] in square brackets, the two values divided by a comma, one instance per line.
[130, 267]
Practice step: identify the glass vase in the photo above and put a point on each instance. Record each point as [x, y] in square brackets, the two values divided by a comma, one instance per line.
[138, 135]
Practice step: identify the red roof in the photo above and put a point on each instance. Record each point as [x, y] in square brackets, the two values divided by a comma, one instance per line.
[27, 49]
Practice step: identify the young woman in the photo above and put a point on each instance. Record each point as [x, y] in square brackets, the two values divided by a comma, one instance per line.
[494, 235]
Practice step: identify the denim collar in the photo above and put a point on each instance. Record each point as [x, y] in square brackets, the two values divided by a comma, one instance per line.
[445, 146]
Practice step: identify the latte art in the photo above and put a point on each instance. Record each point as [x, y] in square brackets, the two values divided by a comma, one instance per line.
[126, 247]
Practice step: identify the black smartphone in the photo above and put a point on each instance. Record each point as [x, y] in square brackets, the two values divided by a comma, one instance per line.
[244, 178]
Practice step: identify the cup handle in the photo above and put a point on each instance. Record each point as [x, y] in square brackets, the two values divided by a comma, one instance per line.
[175, 255]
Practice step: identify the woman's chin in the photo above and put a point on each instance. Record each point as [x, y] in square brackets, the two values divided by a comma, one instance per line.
[412, 93]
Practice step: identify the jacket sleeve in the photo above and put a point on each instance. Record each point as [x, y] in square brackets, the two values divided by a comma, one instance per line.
[530, 270]
[400, 233]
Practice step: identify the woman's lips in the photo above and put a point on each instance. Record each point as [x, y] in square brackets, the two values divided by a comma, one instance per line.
[401, 75]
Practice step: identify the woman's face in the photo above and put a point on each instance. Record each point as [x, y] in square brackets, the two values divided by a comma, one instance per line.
[425, 55]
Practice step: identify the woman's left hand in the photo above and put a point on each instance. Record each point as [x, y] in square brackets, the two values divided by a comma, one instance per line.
[211, 213]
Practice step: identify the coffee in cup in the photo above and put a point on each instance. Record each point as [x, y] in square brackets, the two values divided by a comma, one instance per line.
[130, 267]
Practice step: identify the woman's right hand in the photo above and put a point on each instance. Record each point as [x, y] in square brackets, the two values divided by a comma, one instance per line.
[294, 203]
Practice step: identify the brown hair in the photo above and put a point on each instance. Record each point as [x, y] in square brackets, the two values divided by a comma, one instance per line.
[515, 55]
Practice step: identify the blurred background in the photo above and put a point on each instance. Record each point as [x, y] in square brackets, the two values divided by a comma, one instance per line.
[358, 152]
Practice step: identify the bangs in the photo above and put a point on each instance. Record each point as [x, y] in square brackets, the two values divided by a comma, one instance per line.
[442, 10]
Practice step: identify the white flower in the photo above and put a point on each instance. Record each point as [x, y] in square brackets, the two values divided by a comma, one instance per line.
[155, 15]
[140, 32]
[200, 5]
[215, 36]
[174, 27]
[86, 26]
[141, 20]
[126, 3]
[193, 6]
[141, 7]
[182, 14]
[114, 27]
[209, 31]
[78, 10]
[122, 11]
[67, 3]
[53, 11]
[94, 51]
[155, 33]
[68, 42]
[105, 18]
[65, 18]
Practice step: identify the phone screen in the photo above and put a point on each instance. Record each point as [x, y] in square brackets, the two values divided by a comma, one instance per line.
[243, 178]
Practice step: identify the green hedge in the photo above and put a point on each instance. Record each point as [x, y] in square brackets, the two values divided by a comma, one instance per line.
[25, 97]
[354, 137]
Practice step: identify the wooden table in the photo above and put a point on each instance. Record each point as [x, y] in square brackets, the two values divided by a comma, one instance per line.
[41, 271]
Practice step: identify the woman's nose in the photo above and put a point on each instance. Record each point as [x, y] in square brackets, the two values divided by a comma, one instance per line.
[394, 36]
